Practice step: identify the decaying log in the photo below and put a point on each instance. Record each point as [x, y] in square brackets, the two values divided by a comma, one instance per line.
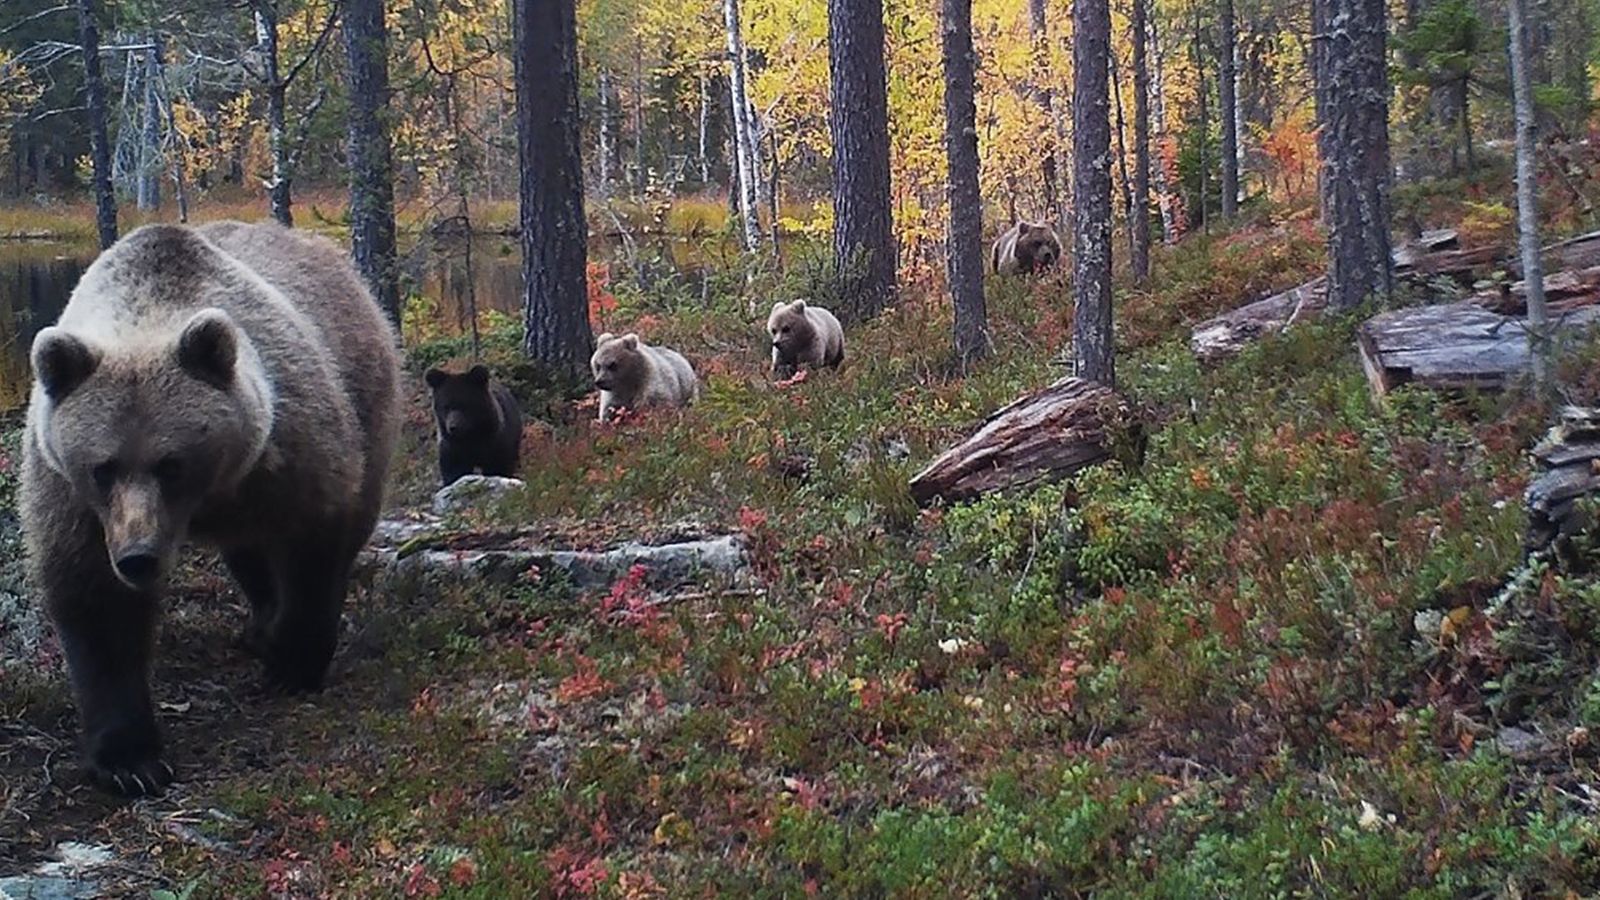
[1563, 292]
[1568, 470]
[1227, 334]
[1048, 434]
[1407, 255]
[1454, 345]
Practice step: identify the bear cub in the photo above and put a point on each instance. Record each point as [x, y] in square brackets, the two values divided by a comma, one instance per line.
[480, 425]
[804, 335]
[1027, 248]
[633, 374]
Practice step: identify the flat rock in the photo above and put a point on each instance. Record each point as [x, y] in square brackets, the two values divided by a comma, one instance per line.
[473, 492]
[665, 565]
[75, 874]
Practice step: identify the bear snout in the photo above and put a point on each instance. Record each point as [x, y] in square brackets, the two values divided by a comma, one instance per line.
[455, 422]
[139, 567]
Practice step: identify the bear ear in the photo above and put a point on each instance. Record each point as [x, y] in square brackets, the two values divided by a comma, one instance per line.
[478, 374]
[798, 306]
[435, 377]
[208, 349]
[608, 336]
[631, 341]
[61, 362]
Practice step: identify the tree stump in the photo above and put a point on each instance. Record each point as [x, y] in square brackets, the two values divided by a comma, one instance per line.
[1046, 435]
[1451, 346]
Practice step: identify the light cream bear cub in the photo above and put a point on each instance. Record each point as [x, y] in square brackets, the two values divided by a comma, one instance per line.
[804, 335]
[633, 374]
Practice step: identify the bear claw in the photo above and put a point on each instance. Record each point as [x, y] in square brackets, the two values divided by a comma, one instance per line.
[143, 780]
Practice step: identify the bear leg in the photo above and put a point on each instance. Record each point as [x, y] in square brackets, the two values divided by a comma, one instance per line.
[253, 572]
[107, 632]
[299, 641]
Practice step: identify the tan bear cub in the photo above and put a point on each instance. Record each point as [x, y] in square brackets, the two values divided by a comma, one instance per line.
[632, 374]
[1027, 248]
[232, 385]
[804, 336]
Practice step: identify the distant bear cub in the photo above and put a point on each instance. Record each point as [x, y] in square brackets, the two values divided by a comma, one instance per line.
[632, 374]
[480, 426]
[233, 385]
[1026, 248]
[804, 335]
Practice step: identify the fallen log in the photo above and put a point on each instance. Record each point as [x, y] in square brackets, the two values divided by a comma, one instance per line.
[1563, 291]
[1046, 435]
[1451, 346]
[1227, 334]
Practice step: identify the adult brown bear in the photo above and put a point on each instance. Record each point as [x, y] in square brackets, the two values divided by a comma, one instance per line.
[233, 385]
[1026, 248]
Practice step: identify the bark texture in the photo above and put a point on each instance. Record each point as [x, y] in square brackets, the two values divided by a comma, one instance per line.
[1139, 226]
[1228, 98]
[105, 199]
[148, 184]
[1527, 189]
[1046, 435]
[863, 230]
[555, 305]
[1093, 357]
[1353, 115]
[965, 251]
[266, 19]
[371, 170]
[744, 132]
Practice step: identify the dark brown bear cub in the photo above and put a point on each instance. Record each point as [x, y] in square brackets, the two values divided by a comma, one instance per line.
[480, 426]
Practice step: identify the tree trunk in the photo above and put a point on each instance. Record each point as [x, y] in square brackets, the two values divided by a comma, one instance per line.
[1124, 183]
[863, 231]
[744, 148]
[640, 177]
[705, 128]
[1527, 191]
[1139, 226]
[105, 200]
[1228, 94]
[1466, 124]
[148, 190]
[1352, 114]
[1202, 96]
[266, 17]
[371, 169]
[1158, 104]
[1038, 30]
[180, 177]
[608, 137]
[965, 251]
[554, 232]
[1093, 353]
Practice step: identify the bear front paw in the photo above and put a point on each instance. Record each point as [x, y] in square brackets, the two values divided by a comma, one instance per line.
[295, 672]
[127, 761]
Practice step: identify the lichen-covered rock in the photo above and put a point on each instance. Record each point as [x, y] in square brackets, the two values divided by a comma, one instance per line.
[473, 492]
[21, 626]
[665, 565]
[75, 874]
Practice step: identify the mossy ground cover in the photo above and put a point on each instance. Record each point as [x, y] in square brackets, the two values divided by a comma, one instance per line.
[1198, 676]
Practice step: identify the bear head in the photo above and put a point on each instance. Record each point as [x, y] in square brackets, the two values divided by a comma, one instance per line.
[618, 364]
[462, 404]
[1038, 248]
[791, 329]
[144, 432]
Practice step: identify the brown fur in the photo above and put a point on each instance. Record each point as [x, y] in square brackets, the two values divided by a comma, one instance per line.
[632, 374]
[1026, 248]
[233, 385]
[804, 336]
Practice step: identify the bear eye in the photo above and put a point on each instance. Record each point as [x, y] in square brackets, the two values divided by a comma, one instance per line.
[104, 475]
[168, 470]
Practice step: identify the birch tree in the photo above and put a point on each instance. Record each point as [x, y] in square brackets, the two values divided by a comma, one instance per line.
[744, 138]
[1527, 213]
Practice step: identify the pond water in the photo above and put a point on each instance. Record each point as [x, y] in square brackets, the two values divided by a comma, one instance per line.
[455, 274]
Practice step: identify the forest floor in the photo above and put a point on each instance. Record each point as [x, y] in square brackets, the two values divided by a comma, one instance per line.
[1263, 663]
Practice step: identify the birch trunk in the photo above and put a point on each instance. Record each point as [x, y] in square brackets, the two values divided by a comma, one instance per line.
[608, 137]
[1527, 214]
[1049, 167]
[1139, 226]
[266, 18]
[743, 132]
[1158, 106]
[705, 127]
